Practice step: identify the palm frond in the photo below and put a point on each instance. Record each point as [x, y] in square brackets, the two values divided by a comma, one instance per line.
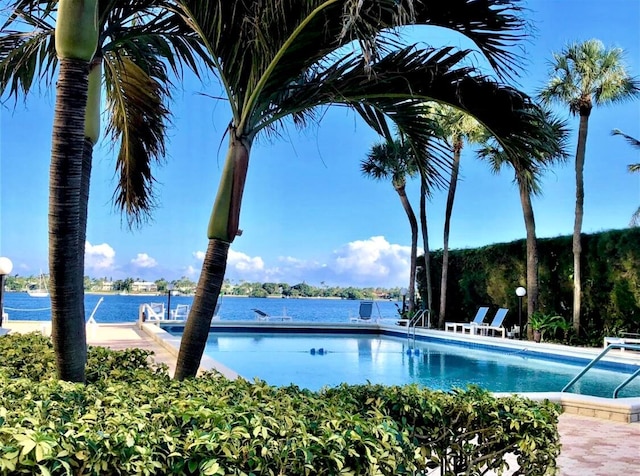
[529, 164]
[587, 72]
[137, 121]
[631, 140]
[27, 53]
[635, 218]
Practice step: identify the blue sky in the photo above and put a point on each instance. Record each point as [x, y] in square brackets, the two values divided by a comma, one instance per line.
[308, 213]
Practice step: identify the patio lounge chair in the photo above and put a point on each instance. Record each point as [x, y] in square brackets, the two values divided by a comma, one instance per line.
[263, 316]
[180, 313]
[463, 326]
[365, 311]
[495, 326]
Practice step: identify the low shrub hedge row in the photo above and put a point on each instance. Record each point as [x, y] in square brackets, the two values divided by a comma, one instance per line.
[133, 419]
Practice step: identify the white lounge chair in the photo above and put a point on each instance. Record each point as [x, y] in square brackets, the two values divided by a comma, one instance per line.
[263, 316]
[464, 326]
[153, 311]
[364, 313]
[180, 313]
[495, 326]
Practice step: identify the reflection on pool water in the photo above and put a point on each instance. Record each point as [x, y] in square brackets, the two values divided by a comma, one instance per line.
[313, 361]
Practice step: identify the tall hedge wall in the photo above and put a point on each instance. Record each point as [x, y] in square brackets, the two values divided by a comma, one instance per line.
[490, 275]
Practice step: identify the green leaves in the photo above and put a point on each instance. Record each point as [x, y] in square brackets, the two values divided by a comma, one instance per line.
[138, 421]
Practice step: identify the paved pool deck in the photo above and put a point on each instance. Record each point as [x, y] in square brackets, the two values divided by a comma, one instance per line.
[590, 446]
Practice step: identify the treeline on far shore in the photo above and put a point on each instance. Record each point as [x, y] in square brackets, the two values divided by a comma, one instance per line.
[184, 285]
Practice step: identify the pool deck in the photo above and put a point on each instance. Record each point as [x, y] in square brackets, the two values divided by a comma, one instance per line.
[590, 446]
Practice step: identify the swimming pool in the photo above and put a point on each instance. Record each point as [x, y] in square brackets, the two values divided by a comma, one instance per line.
[316, 360]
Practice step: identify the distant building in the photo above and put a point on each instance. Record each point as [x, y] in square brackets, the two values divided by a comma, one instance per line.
[106, 286]
[144, 287]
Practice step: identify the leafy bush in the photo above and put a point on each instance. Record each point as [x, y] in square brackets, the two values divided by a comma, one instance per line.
[135, 420]
[489, 276]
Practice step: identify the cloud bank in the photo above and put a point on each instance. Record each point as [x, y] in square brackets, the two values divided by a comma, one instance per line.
[363, 263]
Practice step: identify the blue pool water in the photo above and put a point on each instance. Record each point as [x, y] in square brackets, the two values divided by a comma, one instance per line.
[314, 361]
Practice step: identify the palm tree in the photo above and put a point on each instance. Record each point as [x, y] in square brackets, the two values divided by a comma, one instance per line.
[76, 39]
[136, 44]
[583, 75]
[528, 167]
[284, 60]
[395, 159]
[457, 128]
[635, 218]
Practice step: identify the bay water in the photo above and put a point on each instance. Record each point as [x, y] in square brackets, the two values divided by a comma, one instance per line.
[117, 308]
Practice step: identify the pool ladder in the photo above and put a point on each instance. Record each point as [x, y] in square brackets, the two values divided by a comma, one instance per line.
[413, 323]
[598, 358]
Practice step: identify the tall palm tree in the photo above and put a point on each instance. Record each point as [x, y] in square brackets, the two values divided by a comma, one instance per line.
[76, 39]
[529, 167]
[583, 75]
[395, 160]
[137, 43]
[284, 60]
[634, 168]
[457, 128]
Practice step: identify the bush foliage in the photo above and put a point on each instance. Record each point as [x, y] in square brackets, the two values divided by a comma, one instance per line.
[490, 275]
[133, 419]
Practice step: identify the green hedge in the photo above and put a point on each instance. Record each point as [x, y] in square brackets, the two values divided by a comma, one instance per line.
[133, 419]
[490, 275]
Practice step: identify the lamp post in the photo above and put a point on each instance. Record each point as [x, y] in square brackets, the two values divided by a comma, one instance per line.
[403, 293]
[5, 268]
[521, 293]
[169, 289]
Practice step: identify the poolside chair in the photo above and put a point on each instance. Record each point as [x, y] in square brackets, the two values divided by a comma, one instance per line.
[216, 313]
[181, 312]
[364, 313]
[494, 326]
[463, 326]
[263, 316]
[153, 311]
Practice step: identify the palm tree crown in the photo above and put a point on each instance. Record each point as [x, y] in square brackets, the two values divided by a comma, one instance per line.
[587, 74]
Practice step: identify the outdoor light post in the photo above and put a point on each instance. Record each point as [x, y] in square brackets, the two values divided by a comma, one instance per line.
[521, 293]
[169, 289]
[403, 292]
[5, 268]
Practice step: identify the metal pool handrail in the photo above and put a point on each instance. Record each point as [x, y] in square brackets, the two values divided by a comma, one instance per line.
[598, 358]
[413, 323]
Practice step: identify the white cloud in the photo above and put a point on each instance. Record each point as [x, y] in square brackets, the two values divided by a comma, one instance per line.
[372, 262]
[143, 260]
[98, 257]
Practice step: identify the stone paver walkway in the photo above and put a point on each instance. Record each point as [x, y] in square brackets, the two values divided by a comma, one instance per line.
[590, 446]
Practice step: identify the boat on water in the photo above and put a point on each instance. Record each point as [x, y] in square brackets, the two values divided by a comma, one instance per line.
[40, 290]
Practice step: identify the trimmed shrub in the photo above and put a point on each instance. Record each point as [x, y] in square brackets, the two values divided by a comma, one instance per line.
[136, 420]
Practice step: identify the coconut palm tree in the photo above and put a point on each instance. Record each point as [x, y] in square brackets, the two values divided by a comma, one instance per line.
[528, 167]
[280, 61]
[457, 128]
[395, 160]
[137, 43]
[635, 218]
[583, 75]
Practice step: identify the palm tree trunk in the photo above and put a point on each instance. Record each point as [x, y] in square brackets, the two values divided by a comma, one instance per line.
[414, 246]
[65, 182]
[425, 244]
[87, 159]
[532, 253]
[577, 227]
[222, 230]
[196, 331]
[453, 183]
[91, 135]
